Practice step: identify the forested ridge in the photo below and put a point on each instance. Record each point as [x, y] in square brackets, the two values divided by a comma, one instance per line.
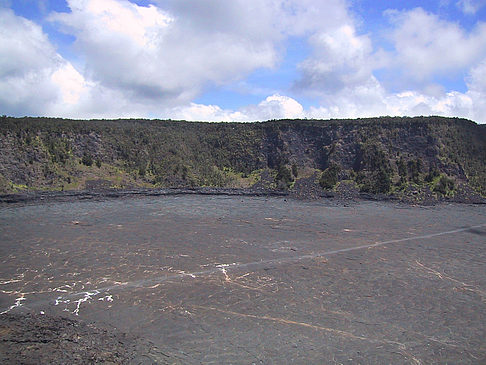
[386, 155]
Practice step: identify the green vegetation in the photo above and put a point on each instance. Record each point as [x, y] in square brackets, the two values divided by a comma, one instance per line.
[87, 160]
[295, 170]
[444, 185]
[329, 177]
[284, 177]
[373, 168]
[381, 155]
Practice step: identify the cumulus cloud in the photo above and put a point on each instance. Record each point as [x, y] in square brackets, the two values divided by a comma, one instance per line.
[158, 58]
[341, 59]
[307, 17]
[476, 83]
[137, 59]
[396, 104]
[170, 52]
[470, 104]
[33, 76]
[169, 55]
[340, 72]
[207, 113]
[152, 61]
[426, 46]
[273, 107]
[470, 7]
[36, 80]
[477, 78]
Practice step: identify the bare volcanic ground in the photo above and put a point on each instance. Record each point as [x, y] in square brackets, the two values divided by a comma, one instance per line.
[217, 279]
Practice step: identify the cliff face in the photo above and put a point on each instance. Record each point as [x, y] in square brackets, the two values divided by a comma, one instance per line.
[381, 155]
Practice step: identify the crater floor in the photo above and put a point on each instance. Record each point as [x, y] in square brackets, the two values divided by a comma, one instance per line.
[216, 279]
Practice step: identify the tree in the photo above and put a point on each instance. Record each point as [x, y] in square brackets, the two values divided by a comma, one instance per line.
[377, 183]
[295, 170]
[329, 176]
[284, 177]
[87, 160]
[444, 185]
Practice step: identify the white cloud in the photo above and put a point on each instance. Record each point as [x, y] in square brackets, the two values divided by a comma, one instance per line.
[407, 103]
[22, 39]
[167, 56]
[140, 61]
[426, 46]
[358, 101]
[273, 107]
[70, 84]
[156, 59]
[477, 78]
[340, 71]
[306, 17]
[36, 80]
[341, 59]
[28, 64]
[151, 61]
[476, 83]
[470, 7]
[207, 113]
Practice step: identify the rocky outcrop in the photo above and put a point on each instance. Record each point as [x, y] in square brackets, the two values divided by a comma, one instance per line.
[42, 339]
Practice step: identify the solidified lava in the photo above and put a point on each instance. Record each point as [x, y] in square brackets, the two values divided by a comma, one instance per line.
[42, 339]
[210, 279]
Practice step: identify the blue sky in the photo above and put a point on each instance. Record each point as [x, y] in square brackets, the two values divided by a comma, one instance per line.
[242, 60]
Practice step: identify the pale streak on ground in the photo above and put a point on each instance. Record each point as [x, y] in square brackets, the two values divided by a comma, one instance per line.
[224, 268]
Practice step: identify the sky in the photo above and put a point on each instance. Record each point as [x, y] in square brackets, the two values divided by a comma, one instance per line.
[242, 60]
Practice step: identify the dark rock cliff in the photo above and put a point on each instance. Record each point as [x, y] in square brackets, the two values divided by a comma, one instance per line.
[377, 155]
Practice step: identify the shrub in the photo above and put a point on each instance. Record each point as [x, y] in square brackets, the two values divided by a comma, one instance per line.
[329, 177]
[445, 185]
[377, 183]
[284, 177]
[295, 170]
[433, 173]
[87, 160]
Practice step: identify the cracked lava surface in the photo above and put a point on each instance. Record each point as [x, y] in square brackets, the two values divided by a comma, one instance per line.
[241, 280]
